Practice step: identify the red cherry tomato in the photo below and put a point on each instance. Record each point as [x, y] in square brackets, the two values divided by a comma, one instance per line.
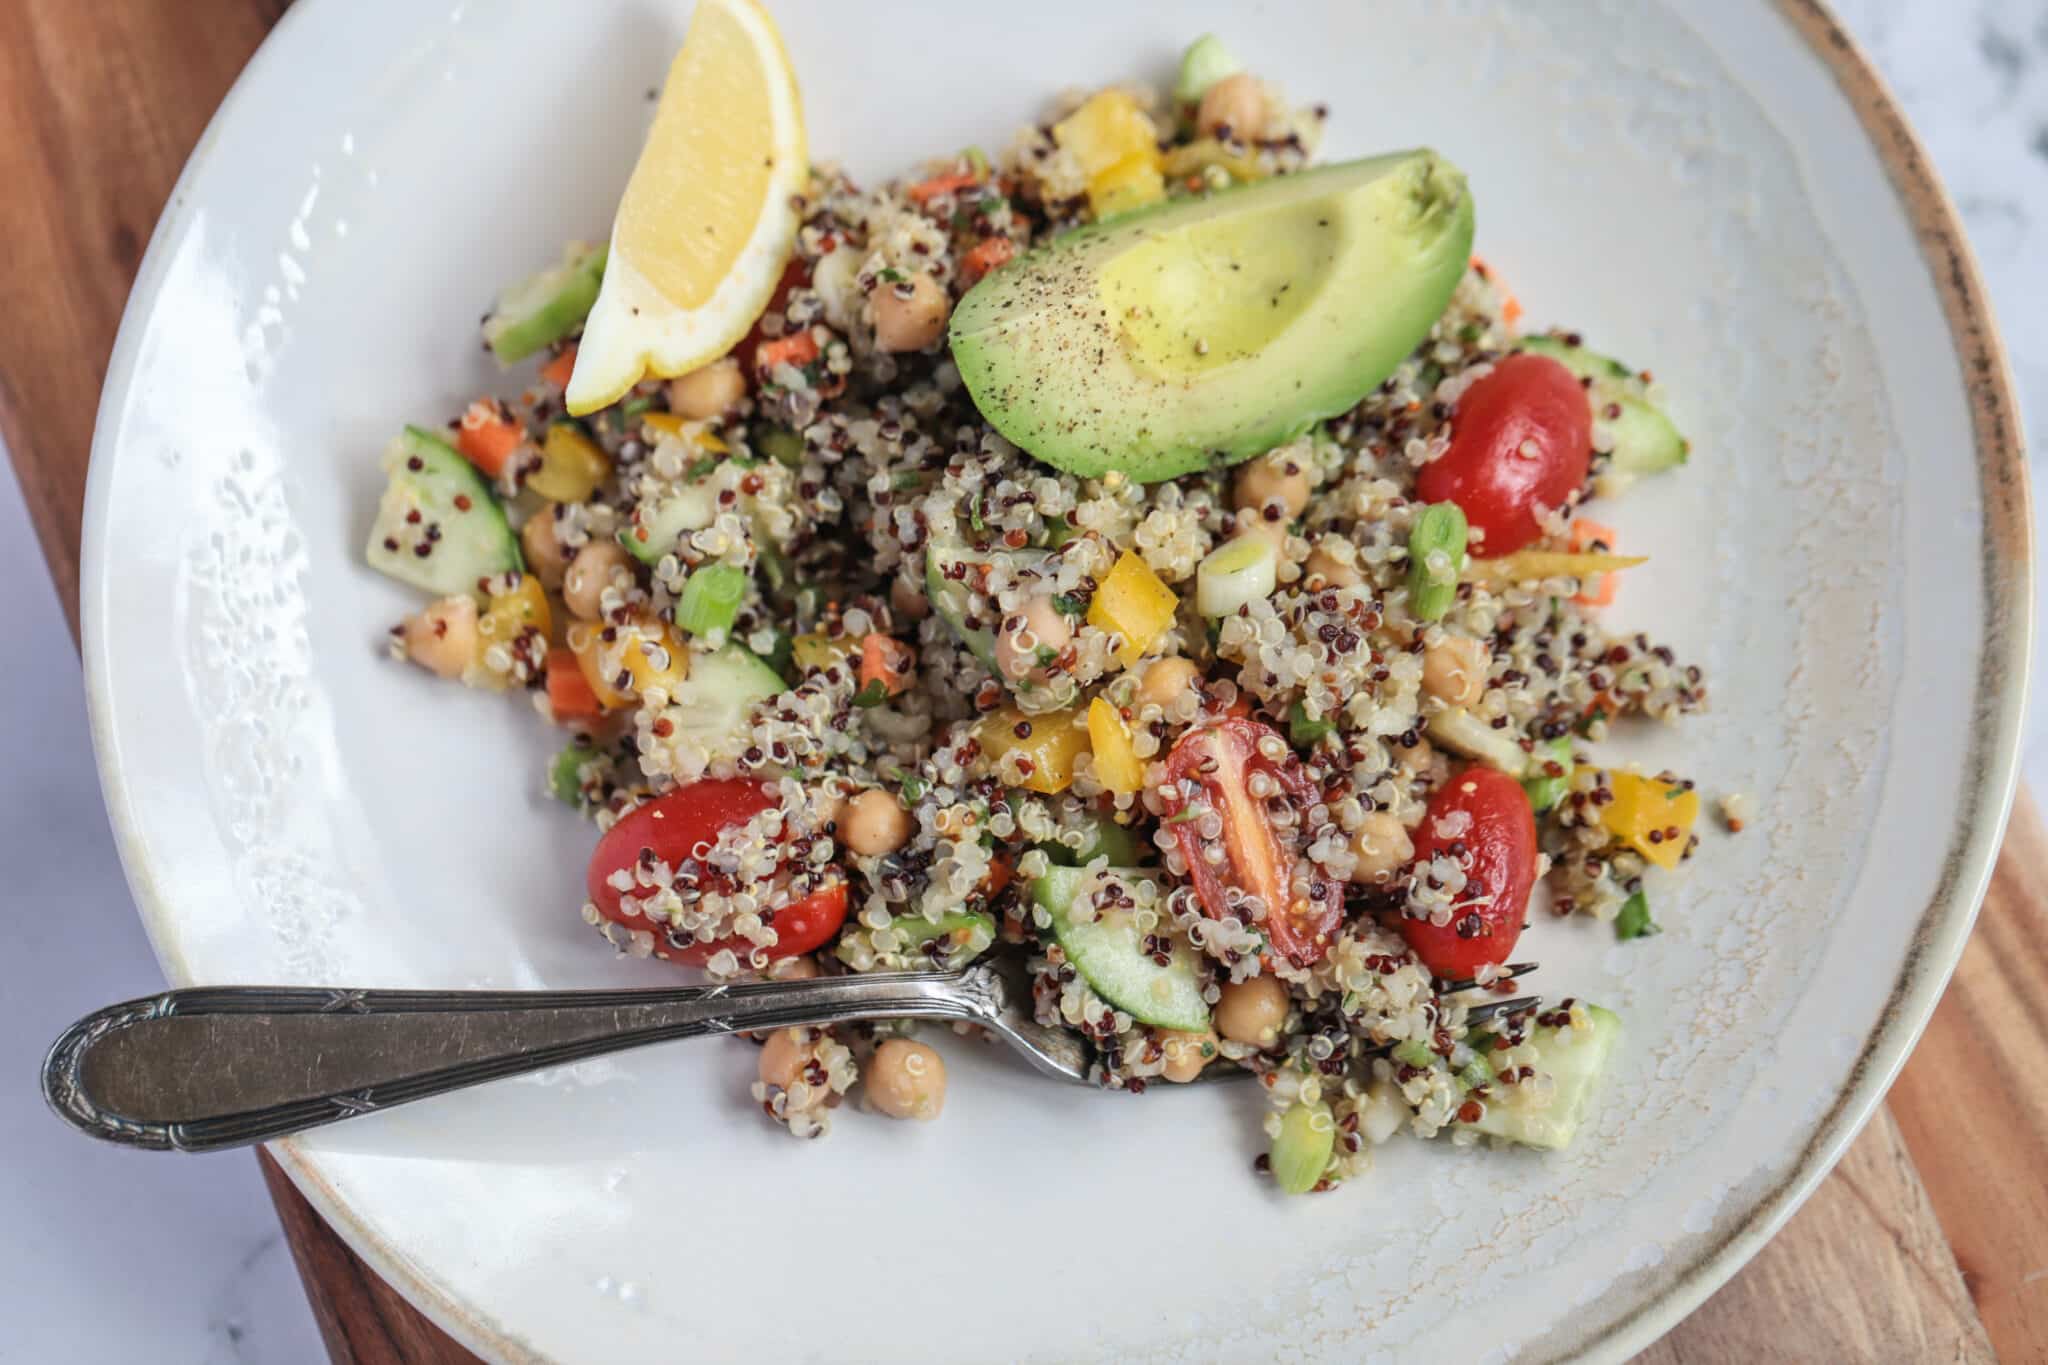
[1497, 848]
[674, 827]
[1521, 437]
[1220, 761]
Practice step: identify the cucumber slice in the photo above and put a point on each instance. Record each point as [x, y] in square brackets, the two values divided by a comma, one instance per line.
[1206, 62]
[1645, 440]
[1110, 955]
[1106, 839]
[439, 527]
[1575, 1063]
[714, 703]
[544, 308]
[653, 534]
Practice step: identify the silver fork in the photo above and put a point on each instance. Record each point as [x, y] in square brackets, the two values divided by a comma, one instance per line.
[226, 1066]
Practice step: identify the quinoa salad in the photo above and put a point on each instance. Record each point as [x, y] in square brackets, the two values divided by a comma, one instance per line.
[1138, 551]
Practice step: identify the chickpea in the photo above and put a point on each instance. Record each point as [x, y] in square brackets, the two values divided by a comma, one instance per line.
[907, 600]
[1454, 670]
[1335, 572]
[1234, 107]
[1024, 636]
[802, 967]
[546, 555]
[1412, 758]
[907, 1080]
[707, 392]
[910, 315]
[784, 1058]
[1252, 1011]
[874, 823]
[1186, 1053]
[1166, 680]
[593, 570]
[442, 639]
[1251, 523]
[1382, 845]
[1272, 478]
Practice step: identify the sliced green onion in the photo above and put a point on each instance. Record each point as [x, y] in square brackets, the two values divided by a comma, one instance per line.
[711, 599]
[1546, 791]
[1464, 733]
[1634, 920]
[1436, 552]
[1304, 731]
[1415, 1053]
[977, 161]
[1236, 573]
[1302, 1150]
[1206, 62]
[874, 693]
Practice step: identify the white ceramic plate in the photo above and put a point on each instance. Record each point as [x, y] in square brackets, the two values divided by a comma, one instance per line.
[1726, 196]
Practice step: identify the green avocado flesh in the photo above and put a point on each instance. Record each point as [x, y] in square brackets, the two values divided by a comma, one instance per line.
[1221, 326]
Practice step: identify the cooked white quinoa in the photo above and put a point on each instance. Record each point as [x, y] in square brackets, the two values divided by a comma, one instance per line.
[833, 480]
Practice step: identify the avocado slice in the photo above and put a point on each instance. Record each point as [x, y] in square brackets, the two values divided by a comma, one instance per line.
[1221, 325]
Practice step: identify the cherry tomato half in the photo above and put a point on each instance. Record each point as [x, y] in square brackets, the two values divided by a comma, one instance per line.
[1497, 848]
[673, 827]
[1520, 437]
[1222, 760]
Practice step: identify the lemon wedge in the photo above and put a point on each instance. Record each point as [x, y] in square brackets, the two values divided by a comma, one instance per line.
[706, 223]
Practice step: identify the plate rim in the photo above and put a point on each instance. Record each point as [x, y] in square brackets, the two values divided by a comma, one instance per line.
[1991, 764]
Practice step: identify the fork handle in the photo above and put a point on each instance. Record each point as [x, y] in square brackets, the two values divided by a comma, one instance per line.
[213, 1067]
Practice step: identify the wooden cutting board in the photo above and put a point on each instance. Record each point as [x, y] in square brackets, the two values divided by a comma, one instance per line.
[1928, 1243]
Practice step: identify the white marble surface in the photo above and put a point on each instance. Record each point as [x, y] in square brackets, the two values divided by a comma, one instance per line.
[108, 1255]
[112, 1255]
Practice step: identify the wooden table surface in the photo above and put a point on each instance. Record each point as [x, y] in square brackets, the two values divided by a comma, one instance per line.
[1928, 1242]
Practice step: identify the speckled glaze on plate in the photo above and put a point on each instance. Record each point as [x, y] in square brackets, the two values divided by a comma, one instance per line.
[1723, 193]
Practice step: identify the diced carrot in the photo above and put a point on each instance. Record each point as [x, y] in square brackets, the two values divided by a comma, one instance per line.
[988, 253]
[487, 436]
[885, 661]
[999, 873]
[558, 370]
[569, 694]
[798, 349]
[926, 191]
[1510, 306]
[1584, 534]
[795, 275]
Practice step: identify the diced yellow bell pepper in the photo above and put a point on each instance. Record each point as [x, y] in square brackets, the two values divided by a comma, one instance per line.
[650, 652]
[1130, 184]
[1117, 765]
[1051, 743]
[572, 466]
[1105, 130]
[1134, 603]
[815, 649]
[1654, 818]
[671, 424]
[524, 603]
[585, 642]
